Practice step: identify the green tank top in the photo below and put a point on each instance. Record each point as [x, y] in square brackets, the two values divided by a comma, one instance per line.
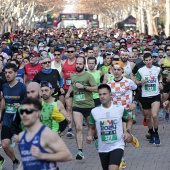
[96, 76]
[104, 69]
[110, 77]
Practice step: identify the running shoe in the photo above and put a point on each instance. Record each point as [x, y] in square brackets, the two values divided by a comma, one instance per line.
[152, 141]
[15, 166]
[84, 123]
[12, 144]
[96, 143]
[2, 161]
[138, 110]
[157, 140]
[122, 164]
[144, 122]
[135, 141]
[167, 117]
[134, 119]
[70, 135]
[79, 155]
[161, 115]
[148, 135]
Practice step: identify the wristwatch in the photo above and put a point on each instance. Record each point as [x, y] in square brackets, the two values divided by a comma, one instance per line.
[84, 87]
[128, 131]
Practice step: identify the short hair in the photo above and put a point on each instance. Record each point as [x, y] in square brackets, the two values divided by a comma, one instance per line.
[11, 65]
[84, 60]
[104, 86]
[147, 49]
[17, 62]
[58, 50]
[92, 58]
[160, 49]
[166, 47]
[105, 55]
[146, 55]
[37, 104]
[71, 46]
[89, 48]
[135, 48]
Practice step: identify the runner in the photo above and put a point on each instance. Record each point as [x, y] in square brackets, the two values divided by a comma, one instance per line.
[69, 67]
[82, 84]
[43, 146]
[111, 135]
[14, 92]
[150, 79]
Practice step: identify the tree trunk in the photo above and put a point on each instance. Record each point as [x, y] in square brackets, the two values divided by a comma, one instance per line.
[167, 17]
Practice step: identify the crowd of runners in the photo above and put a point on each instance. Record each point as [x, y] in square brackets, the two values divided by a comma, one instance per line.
[55, 81]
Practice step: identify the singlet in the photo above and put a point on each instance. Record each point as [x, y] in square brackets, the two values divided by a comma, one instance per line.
[151, 75]
[31, 71]
[122, 91]
[104, 69]
[20, 75]
[128, 69]
[110, 77]
[108, 123]
[54, 67]
[166, 66]
[30, 162]
[67, 71]
[96, 76]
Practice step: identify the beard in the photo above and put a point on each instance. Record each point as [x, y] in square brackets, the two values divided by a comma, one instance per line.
[124, 59]
[79, 70]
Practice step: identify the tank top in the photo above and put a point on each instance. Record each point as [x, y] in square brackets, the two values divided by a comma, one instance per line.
[128, 69]
[67, 71]
[96, 76]
[54, 67]
[166, 66]
[30, 162]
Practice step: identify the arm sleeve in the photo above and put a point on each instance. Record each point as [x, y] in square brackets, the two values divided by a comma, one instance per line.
[61, 82]
[138, 76]
[91, 120]
[125, 115]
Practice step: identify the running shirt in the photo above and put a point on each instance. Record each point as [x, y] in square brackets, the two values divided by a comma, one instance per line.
[108, 123]
[31, 71]
[128, 69]
[67, 71]
[104, 69]
[82, 98]
[166, 66]
[30, 162]
[122, 92]
[12, 95]
[20, 75]
[54, 67]
[151, 76]
[96, 76]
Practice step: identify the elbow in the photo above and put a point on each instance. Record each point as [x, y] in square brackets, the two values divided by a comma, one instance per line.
[69, 156]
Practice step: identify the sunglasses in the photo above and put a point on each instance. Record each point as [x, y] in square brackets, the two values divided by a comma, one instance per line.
[70, 51]
[27, 111]
[56, 54]
[46, 62]
[103, 50]
[20, 48]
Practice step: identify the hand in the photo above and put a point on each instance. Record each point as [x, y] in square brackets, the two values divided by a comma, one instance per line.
[79, 86]
[35, 151]
[16, 104]
[68, 119]
[89, 139]
[165, 103]
[15, 138]
[165, 72]
[127, 137]
[62, 90]
[143, 82]
[160, 86]
[67, 95]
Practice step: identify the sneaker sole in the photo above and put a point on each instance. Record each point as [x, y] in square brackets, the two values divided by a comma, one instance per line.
[157, 144]
[69, 137]
[79, 157]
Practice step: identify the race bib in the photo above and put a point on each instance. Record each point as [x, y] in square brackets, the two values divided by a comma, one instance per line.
[10, 108]
[79, 96]
[108, 130]
[151, 83]
[68, 82]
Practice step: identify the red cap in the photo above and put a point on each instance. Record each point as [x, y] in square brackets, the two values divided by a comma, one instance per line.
[35, 53]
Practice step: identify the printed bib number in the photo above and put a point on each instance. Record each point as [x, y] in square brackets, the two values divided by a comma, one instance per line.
[151, 83]
[150, 87]
[68, 82]
[9, 108]
[108, 130]
[79, 96]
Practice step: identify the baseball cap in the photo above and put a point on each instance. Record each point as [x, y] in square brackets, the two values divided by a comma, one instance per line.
[154, 54]
[128, 37]
[46, 84]
[34, 53]
[117, 64]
